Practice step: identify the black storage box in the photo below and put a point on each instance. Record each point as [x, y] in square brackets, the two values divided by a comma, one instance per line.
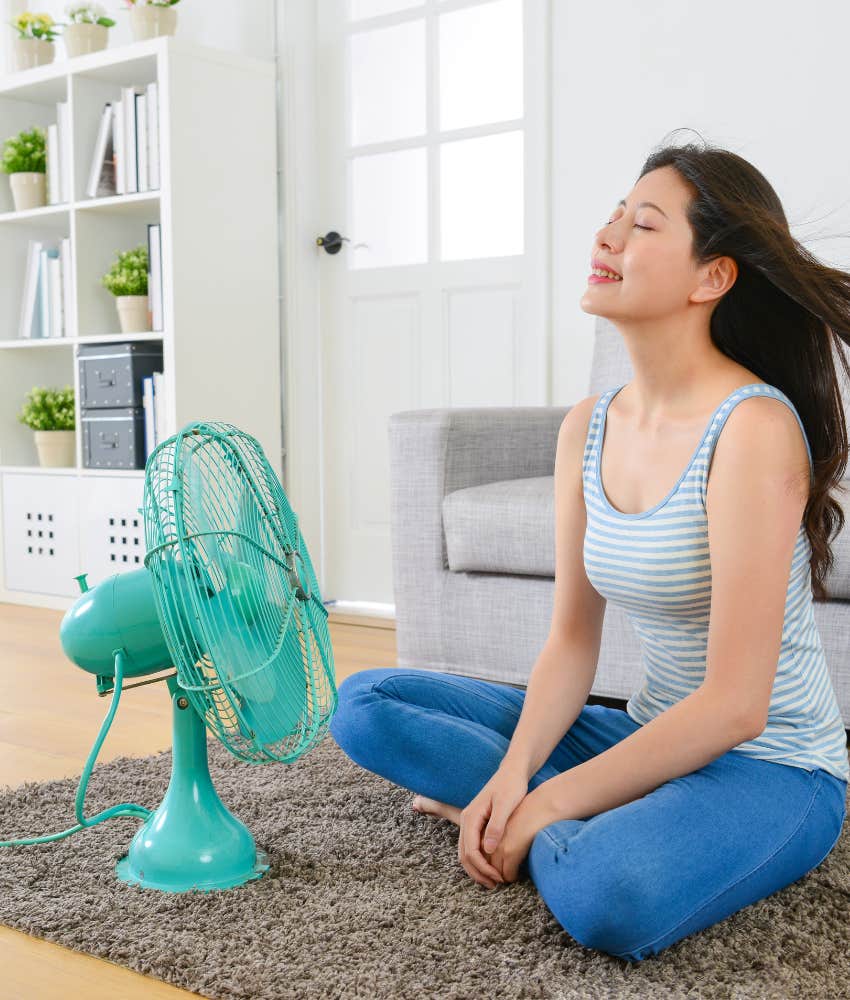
[111, 374]
[114, 438]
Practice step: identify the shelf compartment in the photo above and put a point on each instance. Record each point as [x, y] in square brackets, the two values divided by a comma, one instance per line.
[51, 366]
[18, 115]
[13, 267]
[100, 237]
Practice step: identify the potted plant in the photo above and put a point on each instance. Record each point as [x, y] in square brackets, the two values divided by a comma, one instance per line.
[50, 413]
[25, 161]
[127, 279]
[87, 29]
[151, 18]
[34, 44]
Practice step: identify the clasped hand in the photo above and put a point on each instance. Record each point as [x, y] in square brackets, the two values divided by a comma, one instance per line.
[498, 827]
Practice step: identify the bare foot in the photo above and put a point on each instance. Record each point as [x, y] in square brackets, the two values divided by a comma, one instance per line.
[431, 807]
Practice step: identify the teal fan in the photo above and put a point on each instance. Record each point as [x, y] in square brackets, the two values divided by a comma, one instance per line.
[229, 597]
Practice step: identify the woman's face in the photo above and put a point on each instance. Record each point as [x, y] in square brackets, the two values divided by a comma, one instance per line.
[651, 248]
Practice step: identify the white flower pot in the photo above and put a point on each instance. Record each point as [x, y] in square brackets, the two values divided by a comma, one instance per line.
[56, 448]
[133, 313]
[80, 39]
[29, 52]
[29, 189]
[150, 20]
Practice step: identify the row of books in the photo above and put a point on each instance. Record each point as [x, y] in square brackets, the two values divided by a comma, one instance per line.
[47, 292]
[153, 403]
[126, 151]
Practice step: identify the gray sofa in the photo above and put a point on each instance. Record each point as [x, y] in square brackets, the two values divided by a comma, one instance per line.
[473, 544]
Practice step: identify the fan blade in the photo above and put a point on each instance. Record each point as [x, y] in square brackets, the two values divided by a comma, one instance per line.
[268, 680]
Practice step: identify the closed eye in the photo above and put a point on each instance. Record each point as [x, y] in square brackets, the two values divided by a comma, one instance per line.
[636, 226]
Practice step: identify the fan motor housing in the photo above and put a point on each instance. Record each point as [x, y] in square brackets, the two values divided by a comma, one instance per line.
[119, 613]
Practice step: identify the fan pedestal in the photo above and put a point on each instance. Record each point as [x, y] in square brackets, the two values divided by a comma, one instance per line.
[192, 841]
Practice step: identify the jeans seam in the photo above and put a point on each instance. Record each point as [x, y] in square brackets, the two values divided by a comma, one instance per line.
[377, 686]
[731, 885]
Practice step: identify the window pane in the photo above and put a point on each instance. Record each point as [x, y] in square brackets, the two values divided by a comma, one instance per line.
[481, 64]
[389, 208]
[481, 197]
[372, 8]
[388, 82]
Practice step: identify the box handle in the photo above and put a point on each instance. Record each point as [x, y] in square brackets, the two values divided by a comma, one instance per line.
[108, 380]
[112, 442]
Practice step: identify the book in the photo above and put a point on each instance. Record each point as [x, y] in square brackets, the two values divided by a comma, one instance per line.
[118, 147]
[153, 135]
[67, 287]
[54, 283]
[147, 405]
[30, 295]
[155, 274]
[101, 181]
[52, 152]
[63, 116]
[43, 294]
[142, 141]
[131, 174]
[158, 407]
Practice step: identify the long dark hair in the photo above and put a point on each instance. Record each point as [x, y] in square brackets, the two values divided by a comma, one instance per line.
[785, 317]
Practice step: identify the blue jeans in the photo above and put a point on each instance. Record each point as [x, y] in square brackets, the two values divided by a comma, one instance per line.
[629, 881]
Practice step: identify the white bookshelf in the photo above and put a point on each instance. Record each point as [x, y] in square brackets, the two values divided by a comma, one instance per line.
[217, 207]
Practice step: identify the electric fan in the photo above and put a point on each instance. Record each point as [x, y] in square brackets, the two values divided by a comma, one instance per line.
[227, 596]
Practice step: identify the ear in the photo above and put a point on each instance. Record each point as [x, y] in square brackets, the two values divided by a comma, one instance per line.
[716, 278]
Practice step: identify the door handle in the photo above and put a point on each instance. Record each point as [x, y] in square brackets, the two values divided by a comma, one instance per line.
[332, 242]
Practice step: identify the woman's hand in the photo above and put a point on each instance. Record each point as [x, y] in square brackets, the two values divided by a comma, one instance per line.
[532, 814]
[490, 808]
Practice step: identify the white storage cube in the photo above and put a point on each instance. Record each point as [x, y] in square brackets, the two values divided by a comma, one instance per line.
[41, 533]
[112, 531]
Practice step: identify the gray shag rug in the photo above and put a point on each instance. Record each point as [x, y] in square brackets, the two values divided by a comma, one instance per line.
[366, 898]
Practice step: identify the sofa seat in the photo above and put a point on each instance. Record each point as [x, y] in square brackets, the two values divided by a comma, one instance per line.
[503, 527]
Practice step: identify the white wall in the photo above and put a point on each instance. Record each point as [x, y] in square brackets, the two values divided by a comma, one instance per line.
[765, 79]
[246, 27]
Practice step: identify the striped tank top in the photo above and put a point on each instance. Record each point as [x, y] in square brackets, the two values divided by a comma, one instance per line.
[655, 565]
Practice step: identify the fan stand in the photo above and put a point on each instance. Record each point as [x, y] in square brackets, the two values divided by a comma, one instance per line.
[192, 841]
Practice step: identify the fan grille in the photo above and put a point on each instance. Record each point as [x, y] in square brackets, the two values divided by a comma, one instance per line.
[237, 597]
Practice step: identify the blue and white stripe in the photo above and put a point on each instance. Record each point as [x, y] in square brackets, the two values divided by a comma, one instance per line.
[655, 565]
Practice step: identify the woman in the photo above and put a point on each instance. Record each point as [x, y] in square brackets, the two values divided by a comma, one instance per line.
[725, 779]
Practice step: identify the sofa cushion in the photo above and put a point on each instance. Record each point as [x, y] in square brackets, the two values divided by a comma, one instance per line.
[502, 527]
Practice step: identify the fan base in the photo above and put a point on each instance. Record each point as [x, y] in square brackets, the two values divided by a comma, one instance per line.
[192, 841]
[178, 884]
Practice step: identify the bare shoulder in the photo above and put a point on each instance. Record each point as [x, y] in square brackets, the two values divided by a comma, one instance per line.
[576, 423]
[761, 436]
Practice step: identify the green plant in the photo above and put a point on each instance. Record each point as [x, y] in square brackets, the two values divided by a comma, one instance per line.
[150, 3]
[29, 25]
[26, 151]
[129, 274]
[87, 13]
[49, 409]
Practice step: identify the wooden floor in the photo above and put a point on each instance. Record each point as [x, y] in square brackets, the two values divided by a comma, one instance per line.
[50, 715]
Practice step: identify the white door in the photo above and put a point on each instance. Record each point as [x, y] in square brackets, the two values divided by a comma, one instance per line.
[432, 135]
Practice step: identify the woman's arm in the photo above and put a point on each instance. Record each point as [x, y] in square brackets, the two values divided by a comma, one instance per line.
[563, 674]
[684, 738]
